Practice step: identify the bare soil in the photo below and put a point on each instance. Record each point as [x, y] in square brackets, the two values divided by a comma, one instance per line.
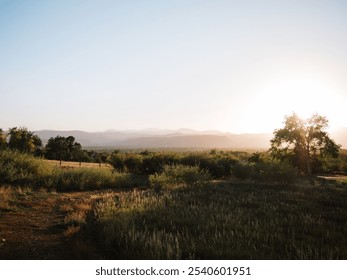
[35, 229]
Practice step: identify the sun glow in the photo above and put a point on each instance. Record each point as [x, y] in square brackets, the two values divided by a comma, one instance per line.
[302, 95]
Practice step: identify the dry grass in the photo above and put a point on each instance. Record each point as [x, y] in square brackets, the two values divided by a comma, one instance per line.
[9, 196]
[228, 220]
[72, 164]
[6, 198]
[76, 213]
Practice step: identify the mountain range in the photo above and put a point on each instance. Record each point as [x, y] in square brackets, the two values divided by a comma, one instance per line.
[181, 138]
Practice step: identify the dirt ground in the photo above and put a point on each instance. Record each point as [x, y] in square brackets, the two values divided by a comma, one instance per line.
[37, 229]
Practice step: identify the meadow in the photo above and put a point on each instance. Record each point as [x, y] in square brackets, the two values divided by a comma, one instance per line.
[231, 209]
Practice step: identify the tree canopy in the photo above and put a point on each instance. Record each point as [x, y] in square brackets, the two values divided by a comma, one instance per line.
[305, 143]
[25, 141]
[63, 148]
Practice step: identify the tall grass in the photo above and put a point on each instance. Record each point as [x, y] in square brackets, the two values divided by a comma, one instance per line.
[17, 169]
[225, 221]
[20, 169]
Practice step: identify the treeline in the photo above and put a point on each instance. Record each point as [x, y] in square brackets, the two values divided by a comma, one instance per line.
[219, 164]
[57, 148]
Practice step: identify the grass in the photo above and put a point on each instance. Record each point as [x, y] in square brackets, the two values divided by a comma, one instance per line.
[174, 176]
[9, 196]
[17, 169]
[225, 221]
[73, 164]
[189, 216]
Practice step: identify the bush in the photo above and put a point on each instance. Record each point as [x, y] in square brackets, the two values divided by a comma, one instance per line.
[242, 171]
[179, 175]
[127, 180]
[261, 168]
[21, 169]
[17, 169]
[275, 171]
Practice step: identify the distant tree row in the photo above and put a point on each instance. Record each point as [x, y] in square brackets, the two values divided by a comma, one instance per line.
[57, 148]
[219, 165]
[22, 140]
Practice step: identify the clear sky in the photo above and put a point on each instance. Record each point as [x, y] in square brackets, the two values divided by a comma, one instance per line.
[236, 66]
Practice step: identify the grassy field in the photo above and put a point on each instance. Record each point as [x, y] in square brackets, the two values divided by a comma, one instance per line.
[179, 213]
[225, 220]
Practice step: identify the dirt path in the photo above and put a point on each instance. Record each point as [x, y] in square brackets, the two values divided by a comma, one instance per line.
[36, 228]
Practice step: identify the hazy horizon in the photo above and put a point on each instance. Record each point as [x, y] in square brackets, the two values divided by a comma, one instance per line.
[231, 66]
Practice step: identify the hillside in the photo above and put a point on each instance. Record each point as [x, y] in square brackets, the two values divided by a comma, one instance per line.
[182, 138]
[150, 138]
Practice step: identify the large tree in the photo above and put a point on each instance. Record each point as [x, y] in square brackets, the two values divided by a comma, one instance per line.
[63, 148]
[304, 142]
[24, 141]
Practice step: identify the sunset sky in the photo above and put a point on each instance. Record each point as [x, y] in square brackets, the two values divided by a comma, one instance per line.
[234, 66]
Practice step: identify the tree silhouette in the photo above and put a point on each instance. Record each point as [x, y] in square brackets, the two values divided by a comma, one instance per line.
[304, 142]
[63, 148]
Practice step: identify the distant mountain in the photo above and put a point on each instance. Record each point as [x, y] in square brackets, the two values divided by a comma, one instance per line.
[199, 141]
[181, 138]
[156, 138]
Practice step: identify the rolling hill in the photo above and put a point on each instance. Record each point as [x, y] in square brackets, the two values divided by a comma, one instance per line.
[155, 138]
[182, 138]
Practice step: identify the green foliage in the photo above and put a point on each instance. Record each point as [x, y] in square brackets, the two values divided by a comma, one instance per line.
[18, 169]
[22, 140]
[267, 169]
[304, 142]
[148, 163]
[242, 171]
[21, 169]
[262, 168]
[83, 179]
[343, 162]
[179, 175]
[63, 148]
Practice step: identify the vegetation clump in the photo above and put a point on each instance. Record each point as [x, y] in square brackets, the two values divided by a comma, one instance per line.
[179, 175]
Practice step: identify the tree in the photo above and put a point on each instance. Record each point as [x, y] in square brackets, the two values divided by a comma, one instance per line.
[3, 143]
[24, 141]
[63, 148]
[304, 142]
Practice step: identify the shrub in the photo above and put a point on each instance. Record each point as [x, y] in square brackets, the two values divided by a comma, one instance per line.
[19, 169]
[275, 171]
[127, 180]
[242, 171]
[179, 175]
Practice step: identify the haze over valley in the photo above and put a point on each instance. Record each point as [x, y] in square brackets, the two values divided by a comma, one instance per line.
[181, 138]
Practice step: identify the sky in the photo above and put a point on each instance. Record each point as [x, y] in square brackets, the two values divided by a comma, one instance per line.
[233, 66]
